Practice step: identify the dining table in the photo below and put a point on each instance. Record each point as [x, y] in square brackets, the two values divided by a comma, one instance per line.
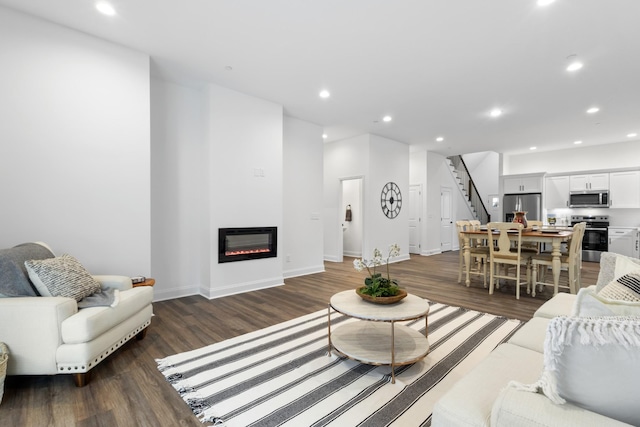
[554, 236]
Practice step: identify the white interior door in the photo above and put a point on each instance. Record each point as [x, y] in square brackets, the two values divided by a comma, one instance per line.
[446, 219]
[415, 218]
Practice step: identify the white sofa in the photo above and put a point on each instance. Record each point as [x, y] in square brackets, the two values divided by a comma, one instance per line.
[50, 335]
[494, 392]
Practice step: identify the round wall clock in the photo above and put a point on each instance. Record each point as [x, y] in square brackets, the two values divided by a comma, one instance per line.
[391, 200]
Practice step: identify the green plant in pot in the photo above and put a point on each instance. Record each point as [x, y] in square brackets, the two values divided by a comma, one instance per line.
[377, 285]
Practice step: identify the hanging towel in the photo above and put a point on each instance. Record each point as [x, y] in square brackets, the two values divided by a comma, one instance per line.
[347, 216]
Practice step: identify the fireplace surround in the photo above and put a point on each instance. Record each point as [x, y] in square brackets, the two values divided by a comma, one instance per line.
[246, 243]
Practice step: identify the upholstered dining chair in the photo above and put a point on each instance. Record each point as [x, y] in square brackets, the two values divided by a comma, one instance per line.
[502, 254]
[479, 255]
[571, 261]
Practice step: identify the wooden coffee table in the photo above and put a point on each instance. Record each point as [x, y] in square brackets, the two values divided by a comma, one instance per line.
[147, 282]
[377, 339]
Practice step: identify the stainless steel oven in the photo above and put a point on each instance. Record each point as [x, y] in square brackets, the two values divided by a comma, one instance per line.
[596, 238]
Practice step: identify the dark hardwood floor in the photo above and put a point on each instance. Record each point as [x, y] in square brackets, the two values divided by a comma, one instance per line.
[127, 389]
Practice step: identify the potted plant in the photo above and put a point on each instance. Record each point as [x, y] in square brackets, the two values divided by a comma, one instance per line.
[378, 288]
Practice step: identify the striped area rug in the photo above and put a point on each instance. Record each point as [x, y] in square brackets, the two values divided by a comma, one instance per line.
[283, 375]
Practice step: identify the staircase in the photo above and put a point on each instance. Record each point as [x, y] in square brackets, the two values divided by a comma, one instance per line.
[468, 189]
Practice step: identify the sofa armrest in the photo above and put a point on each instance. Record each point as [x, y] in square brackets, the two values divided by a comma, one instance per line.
[121, 283]
[30, 326]
[525, 409]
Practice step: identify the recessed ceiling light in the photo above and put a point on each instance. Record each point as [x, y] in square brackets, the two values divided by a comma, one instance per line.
[496, 112]
[573, 63]
[577, 142]
[632, 135]
[533, 148]
[387, 119]
[324, 136]
[439, 139]
[324, 94]
[105, 8]
[593, 110]
[545, 2]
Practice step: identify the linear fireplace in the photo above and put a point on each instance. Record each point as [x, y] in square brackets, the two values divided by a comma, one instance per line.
[241, 244]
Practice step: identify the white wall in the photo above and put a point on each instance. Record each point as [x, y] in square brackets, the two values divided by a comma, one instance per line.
[389, 162]
[302, 229]
[74, 145]
[608, 156]
[177, 183]
[245, 136]
[378, 161]
[484, 168]
[342, 160]
[418, 176]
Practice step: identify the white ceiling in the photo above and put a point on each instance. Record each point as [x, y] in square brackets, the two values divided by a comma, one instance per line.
[436, 66]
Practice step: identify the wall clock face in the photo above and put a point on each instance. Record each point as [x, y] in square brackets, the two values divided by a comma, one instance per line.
[391, 200]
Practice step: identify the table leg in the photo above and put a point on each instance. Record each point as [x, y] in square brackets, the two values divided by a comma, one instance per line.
[467, 258]
[329, 328]
[556, 264]
[393, 353]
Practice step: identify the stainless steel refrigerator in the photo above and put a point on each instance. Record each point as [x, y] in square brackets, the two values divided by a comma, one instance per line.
[530, 203]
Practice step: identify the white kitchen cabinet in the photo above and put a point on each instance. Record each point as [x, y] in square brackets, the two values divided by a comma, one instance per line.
[522, 184]
[556, 192]
[596, 181]
[624, 189]
[624, 241]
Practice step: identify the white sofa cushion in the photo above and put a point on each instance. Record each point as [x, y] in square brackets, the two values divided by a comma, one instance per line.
[559, 305]
[61, 276]
[593, 363]
[468, 403]
[522, 409]
[91, 322]
[531, 335]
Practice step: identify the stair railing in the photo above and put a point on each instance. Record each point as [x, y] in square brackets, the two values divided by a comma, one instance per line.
[469, 186]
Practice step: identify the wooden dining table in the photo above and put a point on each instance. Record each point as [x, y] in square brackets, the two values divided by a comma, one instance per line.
[553, 236]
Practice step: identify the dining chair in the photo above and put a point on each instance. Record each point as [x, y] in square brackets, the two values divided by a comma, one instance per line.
[502, 254]
[571, 261]
[479, 255]
[532, 247]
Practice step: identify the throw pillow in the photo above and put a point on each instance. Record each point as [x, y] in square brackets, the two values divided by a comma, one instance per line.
[62, 276]
[624, 288]
[614, 265]
[591, 303]
[14, 280]
[593, 363]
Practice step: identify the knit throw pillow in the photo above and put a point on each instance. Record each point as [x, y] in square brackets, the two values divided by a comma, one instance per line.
[61, 276]
[624, 288]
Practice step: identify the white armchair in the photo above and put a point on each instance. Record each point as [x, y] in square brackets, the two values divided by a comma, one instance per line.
[50, 335]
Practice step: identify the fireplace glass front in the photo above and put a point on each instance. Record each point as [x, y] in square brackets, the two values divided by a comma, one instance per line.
[241, 244]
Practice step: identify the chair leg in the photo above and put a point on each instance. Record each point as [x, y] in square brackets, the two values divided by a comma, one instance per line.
[491, 268]
[484, 273]
[518, 281]
[460, 267]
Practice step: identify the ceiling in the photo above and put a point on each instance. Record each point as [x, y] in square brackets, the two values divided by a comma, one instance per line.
[437, 67]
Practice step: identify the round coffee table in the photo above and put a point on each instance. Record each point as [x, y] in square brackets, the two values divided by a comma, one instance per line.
[376, 339]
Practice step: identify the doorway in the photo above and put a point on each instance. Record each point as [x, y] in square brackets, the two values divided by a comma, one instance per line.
[446, 219]
[351, 218]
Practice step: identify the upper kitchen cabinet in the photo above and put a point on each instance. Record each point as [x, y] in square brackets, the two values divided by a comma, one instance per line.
[530, 183]
[596, 181]
[624, 189]
[556, 192]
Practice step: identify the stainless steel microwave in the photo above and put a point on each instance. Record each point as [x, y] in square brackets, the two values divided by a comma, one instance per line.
[589, 199]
